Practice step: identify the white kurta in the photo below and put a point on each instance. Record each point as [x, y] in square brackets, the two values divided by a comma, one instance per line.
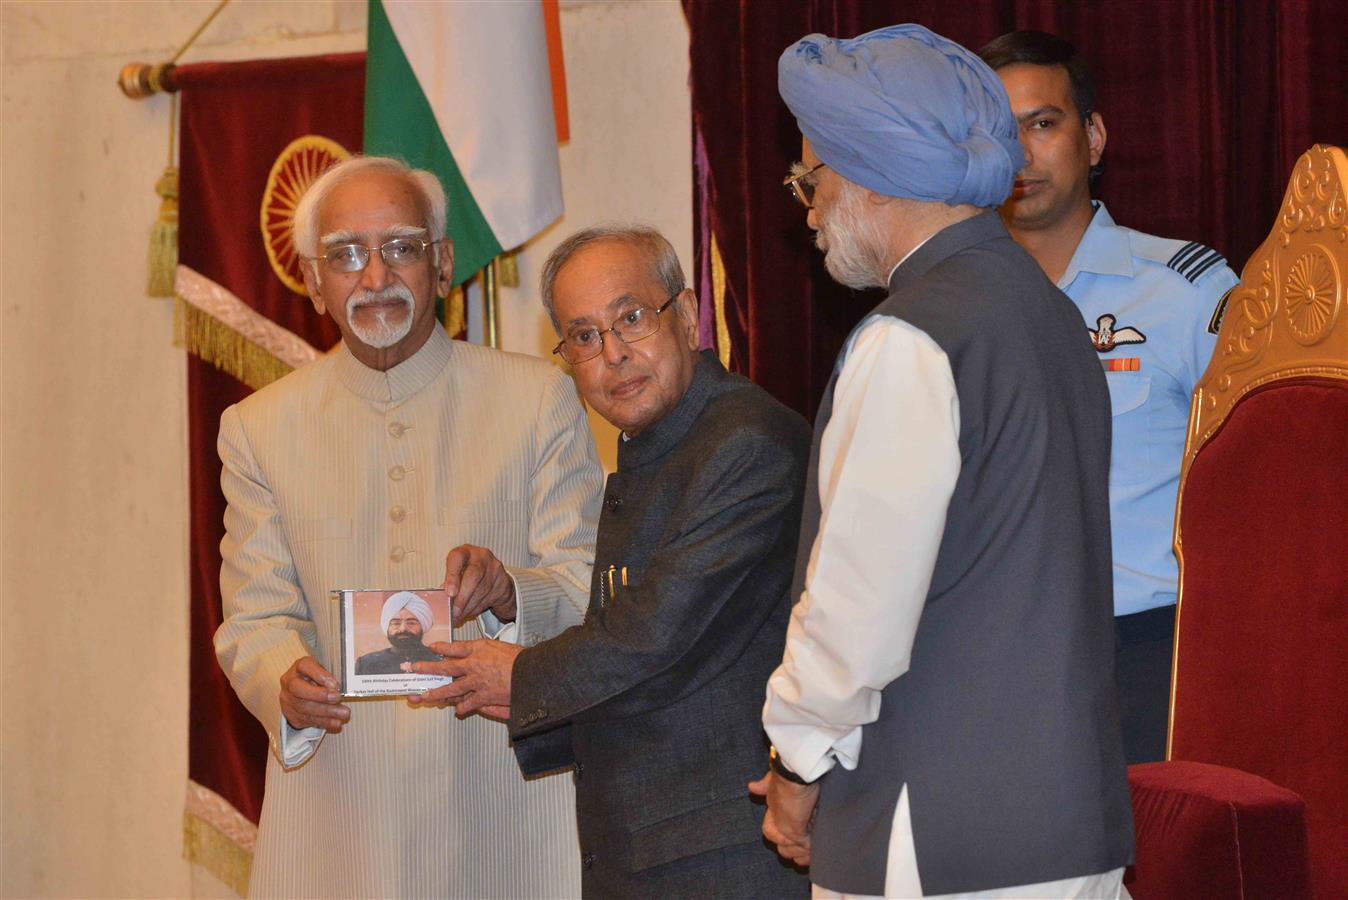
[852, 631]
[340, 476]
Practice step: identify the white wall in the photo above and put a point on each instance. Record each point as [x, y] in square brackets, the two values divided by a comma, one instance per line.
[93, 576]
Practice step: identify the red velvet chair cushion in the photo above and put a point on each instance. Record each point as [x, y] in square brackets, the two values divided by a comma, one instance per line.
[1262, 647]
[1216, 833]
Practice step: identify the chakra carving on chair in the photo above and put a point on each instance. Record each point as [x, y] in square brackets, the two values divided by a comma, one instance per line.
[1312, 290]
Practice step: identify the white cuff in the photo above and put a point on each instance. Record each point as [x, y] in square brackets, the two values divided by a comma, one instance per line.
[297, 744]
[807, 751]
[497, 630]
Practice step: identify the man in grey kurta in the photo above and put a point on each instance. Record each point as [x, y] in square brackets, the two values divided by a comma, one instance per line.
[362, 470]
[945, 706]
[654, 698]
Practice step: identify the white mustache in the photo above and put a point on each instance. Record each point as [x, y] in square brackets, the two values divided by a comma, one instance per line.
[392, 292]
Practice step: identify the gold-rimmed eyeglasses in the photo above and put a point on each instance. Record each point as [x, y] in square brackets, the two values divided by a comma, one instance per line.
[398, 252]
[634, 324]
[801, 184]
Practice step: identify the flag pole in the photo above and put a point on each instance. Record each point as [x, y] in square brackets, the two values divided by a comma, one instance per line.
[490, 305]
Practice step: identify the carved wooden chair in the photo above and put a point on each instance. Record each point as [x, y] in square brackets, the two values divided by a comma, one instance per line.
[1260, 680]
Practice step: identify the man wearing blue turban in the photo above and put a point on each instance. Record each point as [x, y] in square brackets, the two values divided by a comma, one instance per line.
[943, 719]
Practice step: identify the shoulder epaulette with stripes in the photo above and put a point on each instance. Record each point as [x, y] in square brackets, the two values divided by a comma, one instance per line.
[1193, 259]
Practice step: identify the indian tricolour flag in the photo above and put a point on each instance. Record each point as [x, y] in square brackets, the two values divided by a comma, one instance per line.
[466, 90]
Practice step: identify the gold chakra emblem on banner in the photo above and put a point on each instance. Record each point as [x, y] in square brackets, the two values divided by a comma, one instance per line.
[298, 166]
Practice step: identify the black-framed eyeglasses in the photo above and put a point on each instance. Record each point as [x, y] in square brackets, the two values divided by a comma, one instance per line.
[399, 253]
[801, 184]
[636, 323]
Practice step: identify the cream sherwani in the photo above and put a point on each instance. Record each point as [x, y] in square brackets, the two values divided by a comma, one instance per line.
[342, 476]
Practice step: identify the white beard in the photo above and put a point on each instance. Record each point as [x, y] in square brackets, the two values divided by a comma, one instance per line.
[391, 325]
[851, 243]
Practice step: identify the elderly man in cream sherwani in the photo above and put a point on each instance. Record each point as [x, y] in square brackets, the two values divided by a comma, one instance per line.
[363, 470]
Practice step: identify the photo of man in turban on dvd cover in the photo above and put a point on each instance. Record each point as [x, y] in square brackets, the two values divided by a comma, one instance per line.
[387, 632]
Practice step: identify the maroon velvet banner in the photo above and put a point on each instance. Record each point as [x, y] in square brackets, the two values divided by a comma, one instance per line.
[237, 120]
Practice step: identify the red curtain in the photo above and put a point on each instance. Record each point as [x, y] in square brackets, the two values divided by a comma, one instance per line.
[1208, 104]
[237, 118]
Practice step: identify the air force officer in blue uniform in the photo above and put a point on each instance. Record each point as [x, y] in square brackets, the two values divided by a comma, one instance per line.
[1151, 307]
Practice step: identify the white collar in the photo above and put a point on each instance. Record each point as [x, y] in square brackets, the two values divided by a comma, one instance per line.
[890, 277]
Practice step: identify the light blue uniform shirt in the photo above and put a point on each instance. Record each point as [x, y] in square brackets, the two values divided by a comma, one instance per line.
[1163, 297]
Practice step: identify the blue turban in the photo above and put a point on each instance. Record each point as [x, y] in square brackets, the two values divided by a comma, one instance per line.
[906, 113]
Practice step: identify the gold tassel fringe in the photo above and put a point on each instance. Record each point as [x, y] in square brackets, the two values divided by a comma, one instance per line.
[718, 303]
[208, 338]
[208, 847]
[509, 269]
[456, 320]
[164, 236]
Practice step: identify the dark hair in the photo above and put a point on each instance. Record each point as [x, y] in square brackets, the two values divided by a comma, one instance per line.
[1039, 48]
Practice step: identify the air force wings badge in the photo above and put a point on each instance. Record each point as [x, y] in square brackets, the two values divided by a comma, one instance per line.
[1106, 337]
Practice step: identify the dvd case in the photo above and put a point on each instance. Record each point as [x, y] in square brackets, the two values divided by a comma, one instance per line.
[384, 632]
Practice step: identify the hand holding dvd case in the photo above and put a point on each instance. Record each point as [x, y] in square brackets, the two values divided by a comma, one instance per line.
[384, 632]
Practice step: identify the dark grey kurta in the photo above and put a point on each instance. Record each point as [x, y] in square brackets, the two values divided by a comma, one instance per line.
[656, 697]
[1004, 727]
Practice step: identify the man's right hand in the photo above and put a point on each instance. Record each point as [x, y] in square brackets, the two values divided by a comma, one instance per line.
[311, 697]
[790, 816]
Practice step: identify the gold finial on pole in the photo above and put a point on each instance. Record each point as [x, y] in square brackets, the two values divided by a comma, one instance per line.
[139, 80]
